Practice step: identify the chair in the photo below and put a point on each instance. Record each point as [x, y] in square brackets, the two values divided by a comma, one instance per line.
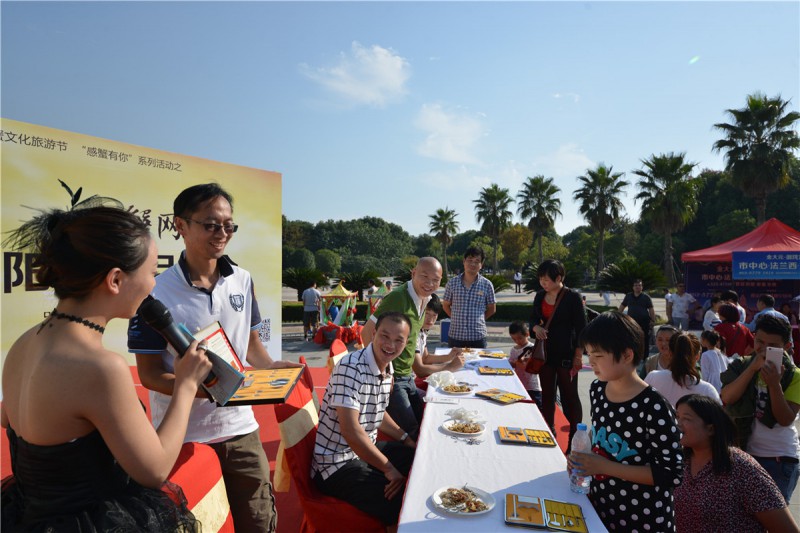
[309, 380]
[297, 420]
[337, 351]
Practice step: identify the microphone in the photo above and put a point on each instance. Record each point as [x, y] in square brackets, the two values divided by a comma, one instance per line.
[158, 317]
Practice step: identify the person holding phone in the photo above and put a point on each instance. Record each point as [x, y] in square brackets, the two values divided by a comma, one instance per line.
[764, 400]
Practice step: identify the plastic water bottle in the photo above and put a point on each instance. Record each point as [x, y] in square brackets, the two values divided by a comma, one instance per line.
[581, 442]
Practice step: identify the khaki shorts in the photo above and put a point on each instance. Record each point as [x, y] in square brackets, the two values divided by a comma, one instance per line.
[245, 469]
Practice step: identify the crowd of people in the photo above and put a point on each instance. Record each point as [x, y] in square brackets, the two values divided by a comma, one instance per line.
[698, 437]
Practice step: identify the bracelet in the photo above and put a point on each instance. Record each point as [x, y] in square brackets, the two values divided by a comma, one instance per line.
[404, 437]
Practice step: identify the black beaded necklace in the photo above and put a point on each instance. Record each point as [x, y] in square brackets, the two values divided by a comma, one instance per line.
[72, 318]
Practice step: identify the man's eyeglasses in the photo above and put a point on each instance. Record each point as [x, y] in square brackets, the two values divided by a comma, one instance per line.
[214, 228]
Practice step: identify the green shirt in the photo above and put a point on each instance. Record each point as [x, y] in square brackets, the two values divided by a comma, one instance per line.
[400, 300]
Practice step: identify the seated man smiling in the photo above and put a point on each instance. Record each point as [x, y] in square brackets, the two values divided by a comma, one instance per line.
[348, 463]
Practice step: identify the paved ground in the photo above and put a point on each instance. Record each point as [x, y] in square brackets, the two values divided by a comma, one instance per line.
[316, 355]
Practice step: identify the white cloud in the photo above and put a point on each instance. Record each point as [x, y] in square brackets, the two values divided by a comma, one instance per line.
[567, 162]
[575, 97]
[371, 76]
[457, 179]
[451, 136]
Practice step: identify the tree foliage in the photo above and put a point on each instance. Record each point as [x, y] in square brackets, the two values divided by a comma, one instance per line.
[732, 225]
[300, 279]
[600, 201]
[537, 203]
[620, 276]
[328, 261]
[386, 243]
[668, 193]
[759, 144]
[443, 226]
[492, 211]
[515, 243]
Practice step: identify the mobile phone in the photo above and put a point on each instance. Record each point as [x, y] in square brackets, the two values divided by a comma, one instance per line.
[775, 355]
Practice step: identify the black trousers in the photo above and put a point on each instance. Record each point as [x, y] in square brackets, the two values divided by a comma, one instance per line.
[552, 377]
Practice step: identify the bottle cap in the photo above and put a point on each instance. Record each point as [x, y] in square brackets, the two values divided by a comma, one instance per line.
[582, 427]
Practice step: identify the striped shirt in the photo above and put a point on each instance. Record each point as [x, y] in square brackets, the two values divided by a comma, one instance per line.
[467, 307]
[357, 384]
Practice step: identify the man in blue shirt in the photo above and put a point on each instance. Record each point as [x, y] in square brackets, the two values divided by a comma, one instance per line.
[468, 301]
[766, 306]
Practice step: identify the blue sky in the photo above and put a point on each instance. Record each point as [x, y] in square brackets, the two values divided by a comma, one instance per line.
[397, 109]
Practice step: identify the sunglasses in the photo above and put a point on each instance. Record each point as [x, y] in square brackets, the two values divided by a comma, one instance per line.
[214, 228]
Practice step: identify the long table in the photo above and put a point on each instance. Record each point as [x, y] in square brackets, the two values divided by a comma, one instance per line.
[445, 461]
[470, 374]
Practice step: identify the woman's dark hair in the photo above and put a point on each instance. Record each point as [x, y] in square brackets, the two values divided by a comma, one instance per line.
[551, 268]
[518, 327]
[714, 338]
[434, 304]
[715, 299]
[684, 347]
[190, 200]
[76, 249]
[614, 332]
[724, 432]
[728, 313]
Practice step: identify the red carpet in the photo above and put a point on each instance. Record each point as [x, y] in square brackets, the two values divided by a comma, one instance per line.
[290, 514]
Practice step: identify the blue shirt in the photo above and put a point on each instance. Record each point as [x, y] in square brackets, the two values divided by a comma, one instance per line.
[767, 311]
[467, 307]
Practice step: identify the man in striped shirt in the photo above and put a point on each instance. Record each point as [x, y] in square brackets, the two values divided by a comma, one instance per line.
[348, 463]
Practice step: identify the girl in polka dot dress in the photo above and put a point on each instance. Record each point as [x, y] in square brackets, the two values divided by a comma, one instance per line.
[636, 461]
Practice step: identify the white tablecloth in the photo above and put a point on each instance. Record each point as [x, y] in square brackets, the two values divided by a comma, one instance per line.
[443, 461]
[469, 374]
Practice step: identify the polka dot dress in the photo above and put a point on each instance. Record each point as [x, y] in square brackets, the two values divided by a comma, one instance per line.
[638, 432]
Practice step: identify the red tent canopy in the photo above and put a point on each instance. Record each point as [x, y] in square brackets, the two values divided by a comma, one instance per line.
[771, 236]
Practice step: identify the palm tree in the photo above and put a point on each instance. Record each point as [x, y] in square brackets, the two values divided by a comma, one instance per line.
[492, 211]
[537, 202]
[669, 198]
[443, 226]
[758, 147]
[600, 203]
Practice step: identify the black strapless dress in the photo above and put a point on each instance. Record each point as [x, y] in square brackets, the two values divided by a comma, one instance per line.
[79, 487]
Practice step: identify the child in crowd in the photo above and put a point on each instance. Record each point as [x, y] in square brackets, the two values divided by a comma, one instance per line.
[713, 362]
[636, 461]
[711, 318]
[449, 361]
[519, 359]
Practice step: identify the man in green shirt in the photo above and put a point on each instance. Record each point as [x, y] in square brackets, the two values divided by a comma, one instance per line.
[410, 298]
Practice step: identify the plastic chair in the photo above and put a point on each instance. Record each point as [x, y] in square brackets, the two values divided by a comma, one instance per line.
[297, 420]
[335, 354]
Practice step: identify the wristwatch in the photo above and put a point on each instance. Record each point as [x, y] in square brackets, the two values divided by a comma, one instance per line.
[404, 437]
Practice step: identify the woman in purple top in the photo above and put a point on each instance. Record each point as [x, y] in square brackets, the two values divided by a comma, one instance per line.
[723, 488]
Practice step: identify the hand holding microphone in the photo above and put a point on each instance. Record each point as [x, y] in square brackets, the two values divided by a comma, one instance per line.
[158, 317]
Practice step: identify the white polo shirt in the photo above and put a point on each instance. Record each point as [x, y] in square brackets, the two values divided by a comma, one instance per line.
[232, 304]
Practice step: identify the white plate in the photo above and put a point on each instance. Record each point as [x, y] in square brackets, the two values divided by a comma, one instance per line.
[458, 433]
[484, 496]
[470, 391]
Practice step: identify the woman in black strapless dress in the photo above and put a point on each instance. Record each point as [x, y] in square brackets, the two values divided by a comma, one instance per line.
[83, 453]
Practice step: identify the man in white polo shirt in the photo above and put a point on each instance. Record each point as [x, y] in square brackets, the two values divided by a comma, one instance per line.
[203, 287]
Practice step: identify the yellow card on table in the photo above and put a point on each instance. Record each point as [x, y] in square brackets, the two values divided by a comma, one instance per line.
[499, 395]
[542, 513]
[489, 371]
